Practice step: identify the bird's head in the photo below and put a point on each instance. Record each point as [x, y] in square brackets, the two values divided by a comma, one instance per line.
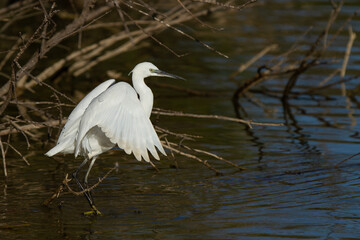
[147, 69]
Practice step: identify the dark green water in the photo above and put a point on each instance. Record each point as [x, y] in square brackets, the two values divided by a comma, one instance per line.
[266, 201]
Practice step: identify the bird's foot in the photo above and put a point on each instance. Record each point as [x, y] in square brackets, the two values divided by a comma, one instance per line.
[93, 212]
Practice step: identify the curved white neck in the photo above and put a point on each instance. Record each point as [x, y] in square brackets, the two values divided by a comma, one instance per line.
[145, 93]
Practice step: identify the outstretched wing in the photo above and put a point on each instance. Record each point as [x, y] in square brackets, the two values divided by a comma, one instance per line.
[66, 141]
[120, 115]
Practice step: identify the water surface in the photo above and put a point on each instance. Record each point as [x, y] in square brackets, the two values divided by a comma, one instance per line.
[290, 189]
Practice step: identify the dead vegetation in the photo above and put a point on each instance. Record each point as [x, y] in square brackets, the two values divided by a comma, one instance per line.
[119, 27]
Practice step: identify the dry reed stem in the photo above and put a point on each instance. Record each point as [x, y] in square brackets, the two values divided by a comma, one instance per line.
[210, 154]
[181, 114]
[16, 7]
[19, 153]
[204, 162]
[179, 135]
[226, 5]
[31, 126]
[329, 78]
[171, 152]
[350, 43]
[155, 39]
[121, 15]
[3, 158]
[196, 18]
[23, 132]
[10, 53]
[39, 103]
[255, 58]
[167, 24]
[333, 15]
[154, 166]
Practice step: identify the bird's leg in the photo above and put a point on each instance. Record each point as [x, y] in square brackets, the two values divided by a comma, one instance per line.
[86, 193]
[86, 178]
[93, 210]
[77, 180]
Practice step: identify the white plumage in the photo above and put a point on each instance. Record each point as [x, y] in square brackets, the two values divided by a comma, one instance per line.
[113, 114]
[122, 121]
[67, 138]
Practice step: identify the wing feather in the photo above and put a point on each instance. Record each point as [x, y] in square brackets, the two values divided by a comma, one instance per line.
[66, 141]
[120, 115]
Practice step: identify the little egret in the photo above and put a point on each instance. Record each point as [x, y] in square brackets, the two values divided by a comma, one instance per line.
[113, 114]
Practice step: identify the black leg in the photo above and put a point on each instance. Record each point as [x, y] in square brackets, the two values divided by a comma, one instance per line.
[86, 178]
[86, 193]
[89, 193]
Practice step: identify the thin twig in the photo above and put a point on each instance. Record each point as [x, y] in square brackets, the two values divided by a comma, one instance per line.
[342, 161]
[3, 158]
[19, 153]
[177, 30]
[89, 188]
[154, 38]
[226, 5]
[154, 166]
[180, 135]
[10, 53]
[197, 19]
[193, 157]
[352, 37]
[213, 155]
[255, 58]
[33, 125]
[181, 114]
[121, 15]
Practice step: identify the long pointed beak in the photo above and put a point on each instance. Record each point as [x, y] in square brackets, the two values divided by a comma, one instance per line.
[165, 74]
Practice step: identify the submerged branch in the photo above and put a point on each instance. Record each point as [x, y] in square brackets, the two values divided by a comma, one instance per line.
[65, 184]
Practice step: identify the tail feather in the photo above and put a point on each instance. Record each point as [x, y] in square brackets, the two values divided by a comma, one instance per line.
[53, 151]
[60, 148]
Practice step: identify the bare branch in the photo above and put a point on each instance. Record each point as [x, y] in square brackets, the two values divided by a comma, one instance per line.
[226, 5]
[3, 157]
[180, 114]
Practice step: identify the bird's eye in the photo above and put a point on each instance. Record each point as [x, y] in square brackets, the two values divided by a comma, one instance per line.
[151, 70]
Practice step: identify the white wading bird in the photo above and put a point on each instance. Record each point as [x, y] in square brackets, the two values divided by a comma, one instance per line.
[113, 114]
